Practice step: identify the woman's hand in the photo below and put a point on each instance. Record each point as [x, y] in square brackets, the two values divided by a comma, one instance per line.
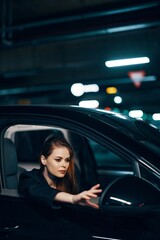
[84, 198]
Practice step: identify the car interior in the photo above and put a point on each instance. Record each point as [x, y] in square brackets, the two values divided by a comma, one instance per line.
[93, 163]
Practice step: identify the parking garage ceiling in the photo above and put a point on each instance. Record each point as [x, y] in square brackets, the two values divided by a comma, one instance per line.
[47, 45]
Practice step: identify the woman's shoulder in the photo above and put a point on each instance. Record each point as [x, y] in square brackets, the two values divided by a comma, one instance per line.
[34, 173]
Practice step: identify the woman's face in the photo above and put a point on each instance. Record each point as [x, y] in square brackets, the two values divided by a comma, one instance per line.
[58, 161]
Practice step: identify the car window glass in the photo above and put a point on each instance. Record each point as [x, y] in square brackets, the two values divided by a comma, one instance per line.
[105, 158]
[109, 165]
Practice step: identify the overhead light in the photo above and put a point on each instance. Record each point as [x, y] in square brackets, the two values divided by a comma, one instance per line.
[128, 61]
[136, 113]
[156, 116]
[78, 89]
[89, 104]
[91, 88]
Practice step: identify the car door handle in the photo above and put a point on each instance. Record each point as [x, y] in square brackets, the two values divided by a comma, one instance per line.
[8, 229]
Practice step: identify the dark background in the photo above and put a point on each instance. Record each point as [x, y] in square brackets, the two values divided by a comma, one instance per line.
[47, 45]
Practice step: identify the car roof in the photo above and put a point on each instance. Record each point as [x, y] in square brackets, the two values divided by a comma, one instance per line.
[133, 127]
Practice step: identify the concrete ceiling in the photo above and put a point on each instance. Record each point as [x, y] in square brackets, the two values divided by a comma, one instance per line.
[47, 45]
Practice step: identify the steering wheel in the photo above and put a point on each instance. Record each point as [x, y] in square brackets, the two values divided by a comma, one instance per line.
[128, 192]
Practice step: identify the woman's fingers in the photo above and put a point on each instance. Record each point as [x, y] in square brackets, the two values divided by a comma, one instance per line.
[95, 189]
[88, 196]
[96, 186]
[91, 193]
[84, 198]
[91, 204]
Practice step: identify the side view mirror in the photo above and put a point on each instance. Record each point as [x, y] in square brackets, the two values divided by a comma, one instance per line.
[130, 195]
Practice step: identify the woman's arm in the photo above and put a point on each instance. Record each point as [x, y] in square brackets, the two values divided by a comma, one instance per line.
[31, 186]
[83, 198]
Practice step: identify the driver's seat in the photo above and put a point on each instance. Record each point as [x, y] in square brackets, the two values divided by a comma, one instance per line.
[10, 164]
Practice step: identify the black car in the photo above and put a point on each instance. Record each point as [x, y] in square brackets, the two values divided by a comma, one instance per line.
[120, 153]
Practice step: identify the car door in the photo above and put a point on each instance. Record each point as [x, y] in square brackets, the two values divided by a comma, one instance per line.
[24, 219]
[20, 219]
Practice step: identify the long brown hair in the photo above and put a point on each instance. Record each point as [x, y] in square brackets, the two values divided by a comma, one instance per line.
[69, 182]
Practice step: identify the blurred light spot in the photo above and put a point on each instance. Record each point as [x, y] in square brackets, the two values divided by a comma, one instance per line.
[136, 113]
[108, 108]
[89, 104]
[128, 61]
[91, 88]
[156, 116]
[24, 101]
[111, 90]
[116, 110]
[117, 99]
[77, 89]
[125, 112]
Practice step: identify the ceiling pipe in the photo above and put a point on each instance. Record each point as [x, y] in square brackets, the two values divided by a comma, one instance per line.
[86, 34]
[82, 16]
[6, 20]
[93, 33]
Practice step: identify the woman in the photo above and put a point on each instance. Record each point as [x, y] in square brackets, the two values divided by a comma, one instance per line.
[55, 181]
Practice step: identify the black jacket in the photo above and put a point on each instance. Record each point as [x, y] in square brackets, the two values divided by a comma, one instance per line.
[33, 185]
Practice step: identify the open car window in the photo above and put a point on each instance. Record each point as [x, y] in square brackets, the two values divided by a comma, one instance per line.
[93, 162]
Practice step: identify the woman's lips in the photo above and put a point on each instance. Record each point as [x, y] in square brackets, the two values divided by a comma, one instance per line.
[62, 171]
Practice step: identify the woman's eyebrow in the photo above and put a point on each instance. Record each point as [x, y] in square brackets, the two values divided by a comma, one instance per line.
[58, 156]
